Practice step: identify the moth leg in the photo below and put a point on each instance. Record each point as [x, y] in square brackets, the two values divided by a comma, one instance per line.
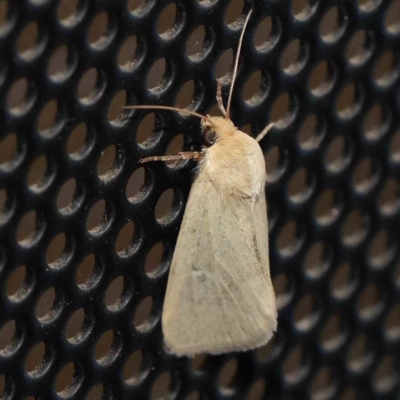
[219, 98]
[184, 155]
[264, 131]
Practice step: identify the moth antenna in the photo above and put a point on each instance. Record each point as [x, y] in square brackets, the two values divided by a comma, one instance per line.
[236, 64]
[181, 110]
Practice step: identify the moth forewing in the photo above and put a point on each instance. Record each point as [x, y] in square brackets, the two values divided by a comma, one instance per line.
[219, 295]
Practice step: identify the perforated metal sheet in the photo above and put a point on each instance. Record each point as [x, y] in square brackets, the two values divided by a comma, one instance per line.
[87, 234]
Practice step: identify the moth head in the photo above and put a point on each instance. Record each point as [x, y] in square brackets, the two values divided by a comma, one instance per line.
[220, 126]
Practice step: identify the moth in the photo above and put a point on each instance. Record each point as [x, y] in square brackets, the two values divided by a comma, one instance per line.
[219, 294]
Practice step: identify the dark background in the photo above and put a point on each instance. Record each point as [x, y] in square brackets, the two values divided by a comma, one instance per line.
[87, 234]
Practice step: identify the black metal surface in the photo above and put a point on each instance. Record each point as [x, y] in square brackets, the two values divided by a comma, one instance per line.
[333, 194]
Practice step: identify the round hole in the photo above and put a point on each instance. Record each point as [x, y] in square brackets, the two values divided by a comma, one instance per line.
[323, 386]
[223, 70]
[154, 264]
[376, 123]
[30, 42]
[11, 153]
[255, 89]
[162, 387]
[270, 351]
[198, 362]
[338, 155]
[68, 199]
[145, 319]
[283, 291]
[20, 97]
[67, 381]
[107, 348]
[71, 12]
[344, 282]
[109, 164]
[175, 146]
[381, 252]
[395, 147]
[283, 111]
[50, 120]
[306, 314]
[198, 44]
[167, 24]
[145, 135]
[332, 334]
[294, 57]
[29, 230]
[37, 361]
[360, 48]
[10, 339]
[99, 218]
[234, 12]
[7, 207]
[368, 5]
[48, 307]
[327, 208]
[101, 32]
[267, 34]
[386, 375]
[349, 102]
[115, 114]
[118, 294]
[354, 228]
[139, 7]
[88, 273]
[130, 54]
[19, 284]
[311, 133]
[61, 64]
[321, 80]
[302, 10]
[295, 366]
[392, 323]
[167, 207]
[333, 25]
[227, 375]
[91, 87]
[78, 145]
[392, 19]
[136, 189]
[386, 70]
[136, 368]
[39, 176]
[289, 240]
[185, 98]
[359, 356]
[275, 164]
[77, 328]
[157, 80]
[7, 21]
[389, 198]
[370, 303]
[96, 393]
[257, 390]
[316, 261]
[58, 254]
[125, 245]
[300, 186]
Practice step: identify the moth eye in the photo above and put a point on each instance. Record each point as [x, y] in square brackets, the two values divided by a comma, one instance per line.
[209, 135]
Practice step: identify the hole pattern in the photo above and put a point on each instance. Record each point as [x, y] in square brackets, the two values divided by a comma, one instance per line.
[87, 233]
